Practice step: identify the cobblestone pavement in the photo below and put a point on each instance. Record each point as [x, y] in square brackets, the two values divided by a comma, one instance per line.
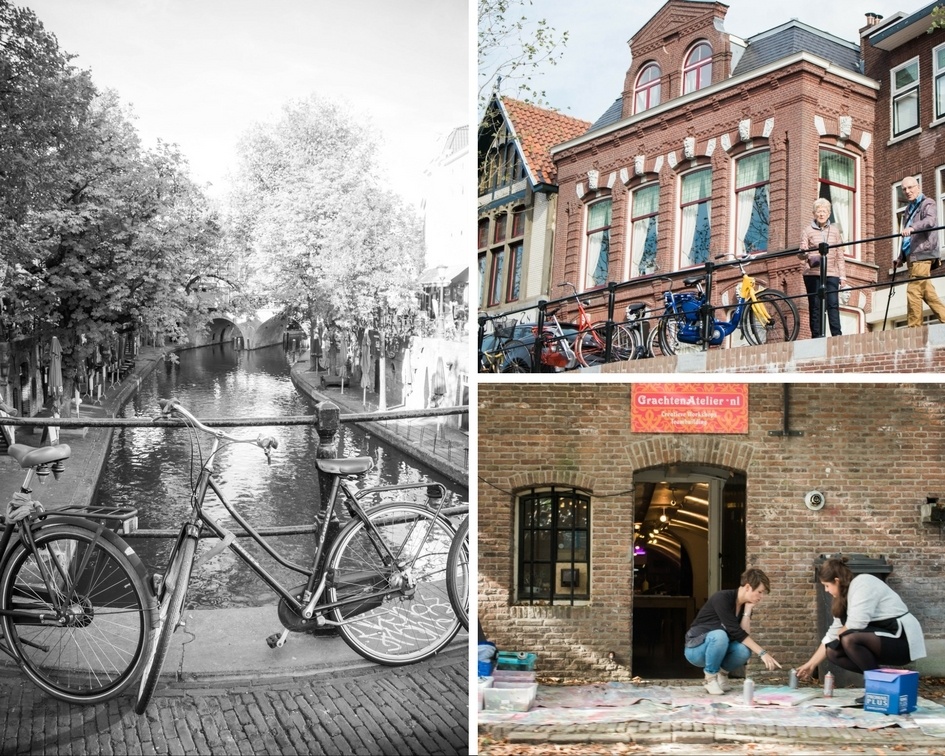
[418, 709]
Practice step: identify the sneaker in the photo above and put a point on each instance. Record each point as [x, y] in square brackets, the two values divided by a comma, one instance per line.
[712, 685]
[724, 683]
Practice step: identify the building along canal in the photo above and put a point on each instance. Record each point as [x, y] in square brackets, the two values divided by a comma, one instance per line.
[152, 468]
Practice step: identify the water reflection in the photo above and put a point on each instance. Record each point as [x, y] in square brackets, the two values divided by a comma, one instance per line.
[153, 468]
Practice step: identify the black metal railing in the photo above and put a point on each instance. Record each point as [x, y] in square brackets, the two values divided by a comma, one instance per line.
[538, 314]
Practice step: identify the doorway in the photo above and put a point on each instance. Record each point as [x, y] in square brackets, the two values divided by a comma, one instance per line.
[688, 543]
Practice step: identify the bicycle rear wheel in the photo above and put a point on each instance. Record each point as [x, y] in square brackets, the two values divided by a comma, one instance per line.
[457, 573]
[517, 358]
[588, 348]
[772, 319]
[393, 614]
[626, 343]
[171, 597]
[92, 642]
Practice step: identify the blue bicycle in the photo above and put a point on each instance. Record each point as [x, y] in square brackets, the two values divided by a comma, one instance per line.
[764, 316]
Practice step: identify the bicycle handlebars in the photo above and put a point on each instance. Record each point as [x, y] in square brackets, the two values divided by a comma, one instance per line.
[172, 406]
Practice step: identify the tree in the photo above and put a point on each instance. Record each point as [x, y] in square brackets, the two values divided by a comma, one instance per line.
[325, 241]
[513, 49]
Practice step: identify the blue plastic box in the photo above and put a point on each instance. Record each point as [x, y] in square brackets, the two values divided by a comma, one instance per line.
[516, 660]
[891, 691]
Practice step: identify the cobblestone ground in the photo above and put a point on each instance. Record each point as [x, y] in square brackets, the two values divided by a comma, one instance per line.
[417, 709]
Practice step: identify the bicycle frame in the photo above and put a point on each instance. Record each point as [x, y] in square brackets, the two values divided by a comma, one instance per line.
[312, 593]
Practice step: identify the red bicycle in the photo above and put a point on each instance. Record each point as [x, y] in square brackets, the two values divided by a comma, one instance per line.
[590, 347]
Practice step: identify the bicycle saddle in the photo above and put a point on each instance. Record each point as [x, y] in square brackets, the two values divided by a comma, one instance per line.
[31, 456]
[635, 307]
[692, 280]
[345, 466]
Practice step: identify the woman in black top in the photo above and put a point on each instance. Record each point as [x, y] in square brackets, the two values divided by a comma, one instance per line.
[719, 639]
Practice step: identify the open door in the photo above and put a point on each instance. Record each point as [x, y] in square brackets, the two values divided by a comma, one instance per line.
[688, 542]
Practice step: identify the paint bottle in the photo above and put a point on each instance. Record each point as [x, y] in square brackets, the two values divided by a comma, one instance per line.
[828, 685]
[748, 692]
[792, 679]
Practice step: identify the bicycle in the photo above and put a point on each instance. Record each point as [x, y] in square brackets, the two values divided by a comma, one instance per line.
[503, 351]
[380, 578]
[763, 315]
[590, 348]
[74, 600]
[457, 573]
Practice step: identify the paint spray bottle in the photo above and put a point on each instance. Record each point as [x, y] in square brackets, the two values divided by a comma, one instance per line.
[792, 679]
[828, 685]
[748, 692]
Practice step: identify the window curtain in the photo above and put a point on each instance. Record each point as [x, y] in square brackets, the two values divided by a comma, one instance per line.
[838, 169]
[598, 245]
[696, 224]
[644, 232]
[753, 214]
[515, 284]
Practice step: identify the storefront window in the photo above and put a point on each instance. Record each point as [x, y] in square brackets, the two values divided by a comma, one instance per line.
[554, 546]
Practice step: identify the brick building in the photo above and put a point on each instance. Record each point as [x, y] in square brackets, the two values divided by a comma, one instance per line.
[719, 145]
[517, 201]
[576, 477]
[908, 60]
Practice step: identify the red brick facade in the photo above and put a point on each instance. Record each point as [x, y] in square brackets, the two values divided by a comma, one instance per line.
[874, 450]
[792, 108]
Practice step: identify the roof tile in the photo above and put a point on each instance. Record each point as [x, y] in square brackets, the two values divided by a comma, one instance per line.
[539, 130]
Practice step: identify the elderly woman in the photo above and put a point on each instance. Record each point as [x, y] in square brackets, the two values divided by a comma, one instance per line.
[872, 627]
[818, 231]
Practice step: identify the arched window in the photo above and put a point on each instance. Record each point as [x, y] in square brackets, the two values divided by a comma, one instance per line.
[646, 92]
[697, 71]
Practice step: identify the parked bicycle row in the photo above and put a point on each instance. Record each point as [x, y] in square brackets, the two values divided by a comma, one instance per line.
[687, 322]
[84, 618]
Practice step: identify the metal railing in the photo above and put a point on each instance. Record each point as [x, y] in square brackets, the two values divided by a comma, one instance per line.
[613, 290]
[326, 419]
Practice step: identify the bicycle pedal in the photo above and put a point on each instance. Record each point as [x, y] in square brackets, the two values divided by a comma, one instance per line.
[277, 640]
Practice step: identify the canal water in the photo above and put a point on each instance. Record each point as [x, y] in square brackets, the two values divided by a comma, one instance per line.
[152, 468]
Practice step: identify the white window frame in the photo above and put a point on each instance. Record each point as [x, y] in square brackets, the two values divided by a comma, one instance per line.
[938, 85]
[585, 261]
[697, 68]
[851, 233]
[648, 88]
[898, 94]
[739, 231]
[632, 261]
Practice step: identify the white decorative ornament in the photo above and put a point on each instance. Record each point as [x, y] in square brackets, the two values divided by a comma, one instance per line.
[820, 125]
[689, 147]
[579, 189]
[846, 127]
[638, 164]
[769, 127]
[624, 175]
[611, 180]
[744, 129]
[710, 147]
[592, 179]
[671, 159]
[726, 142]
[658, 164]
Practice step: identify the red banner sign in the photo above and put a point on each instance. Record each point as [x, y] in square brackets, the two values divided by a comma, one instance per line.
[689, 408]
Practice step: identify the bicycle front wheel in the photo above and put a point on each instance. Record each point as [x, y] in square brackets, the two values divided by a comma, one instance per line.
[171, 597]
[457, 573]
[398, 613]
[85, 638]
[517, 358]
[667, 335]
[771, 319]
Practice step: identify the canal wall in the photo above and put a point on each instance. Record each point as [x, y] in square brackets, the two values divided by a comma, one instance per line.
[455, 467]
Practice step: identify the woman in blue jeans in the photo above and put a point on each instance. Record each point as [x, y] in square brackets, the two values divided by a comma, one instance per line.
[719, 639]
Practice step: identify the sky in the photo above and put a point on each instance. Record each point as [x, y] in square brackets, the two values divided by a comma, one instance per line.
[199, 73]
[590, 75]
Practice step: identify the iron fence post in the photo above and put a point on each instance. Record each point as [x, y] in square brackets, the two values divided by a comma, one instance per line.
[327, 421]
[823, 248]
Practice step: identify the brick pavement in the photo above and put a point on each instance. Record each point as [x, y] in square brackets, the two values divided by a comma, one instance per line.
[418, 709]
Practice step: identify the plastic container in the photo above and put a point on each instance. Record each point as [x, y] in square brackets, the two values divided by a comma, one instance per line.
[514, 675]
[748, 692]
[499, 698]
[484, 682]
[516, 660]
[485, 668]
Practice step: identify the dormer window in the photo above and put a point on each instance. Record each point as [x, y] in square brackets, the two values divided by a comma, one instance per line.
[646, 93]
[697, 71]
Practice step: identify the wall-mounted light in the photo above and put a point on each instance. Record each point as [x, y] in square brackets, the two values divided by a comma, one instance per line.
[814, 500]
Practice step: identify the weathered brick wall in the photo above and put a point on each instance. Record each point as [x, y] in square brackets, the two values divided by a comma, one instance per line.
[874, 449]
[904, 350]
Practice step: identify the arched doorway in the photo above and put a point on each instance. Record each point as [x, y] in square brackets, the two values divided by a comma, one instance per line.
[688, 542]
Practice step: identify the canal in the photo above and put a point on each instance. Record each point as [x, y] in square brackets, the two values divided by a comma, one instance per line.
[152, 468]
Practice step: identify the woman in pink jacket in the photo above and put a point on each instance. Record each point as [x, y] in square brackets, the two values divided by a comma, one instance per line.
[818, 231]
